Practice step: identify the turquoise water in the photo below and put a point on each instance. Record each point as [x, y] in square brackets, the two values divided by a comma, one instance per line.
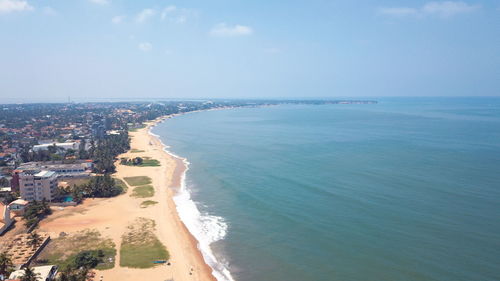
[407, 189]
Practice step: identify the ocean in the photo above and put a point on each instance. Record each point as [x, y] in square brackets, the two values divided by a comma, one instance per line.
[406, 189]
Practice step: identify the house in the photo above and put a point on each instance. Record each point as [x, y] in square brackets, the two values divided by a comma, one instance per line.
[6, 219]
[17, 206]
[43, 273]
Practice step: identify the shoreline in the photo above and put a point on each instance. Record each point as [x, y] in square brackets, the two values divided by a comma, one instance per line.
[182, 200]
[112, 217]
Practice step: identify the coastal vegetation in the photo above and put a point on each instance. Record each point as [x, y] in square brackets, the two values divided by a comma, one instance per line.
[140, 162]
[142, 126]
[35, 212]
[121, 184]
[143, 191]
[98, 187]
[6, 265]
[148, 203]
[29, 275]
[133, 150]
[84, 248]
[140, 247]
[139, 180]
[106, 150]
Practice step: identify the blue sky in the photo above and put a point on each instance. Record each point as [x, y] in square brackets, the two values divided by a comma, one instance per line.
[94, 49]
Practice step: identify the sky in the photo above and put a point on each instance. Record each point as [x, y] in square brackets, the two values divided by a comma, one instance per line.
[52, 50]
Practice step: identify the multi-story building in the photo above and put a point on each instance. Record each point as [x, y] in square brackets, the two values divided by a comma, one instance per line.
[38, 186]
[78, 169]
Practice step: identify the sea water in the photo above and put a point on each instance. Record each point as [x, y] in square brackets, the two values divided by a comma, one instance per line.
[406, 189]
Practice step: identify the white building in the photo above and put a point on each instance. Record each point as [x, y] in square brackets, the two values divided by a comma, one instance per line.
[6, 219]
[61, 145]
[39, 186]
[43, 273]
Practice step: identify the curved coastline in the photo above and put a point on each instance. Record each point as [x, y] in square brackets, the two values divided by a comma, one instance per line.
[204, 229]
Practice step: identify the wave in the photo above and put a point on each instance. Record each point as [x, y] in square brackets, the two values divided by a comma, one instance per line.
[206, 228]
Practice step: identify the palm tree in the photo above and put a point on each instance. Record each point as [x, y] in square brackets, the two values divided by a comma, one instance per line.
[6, 264]
[29, 275]
[35, 240]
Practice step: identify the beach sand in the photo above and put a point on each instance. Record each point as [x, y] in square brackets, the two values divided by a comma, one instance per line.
[112, 216]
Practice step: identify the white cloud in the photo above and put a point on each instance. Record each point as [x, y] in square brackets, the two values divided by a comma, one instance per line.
[8, 6]
[399, 12]
[49, 11]
[177, 15]
[144, 15]
[444, 9]
[118, 19]
[224, 30]
[145, 46]
[448, 8]
[100, 2]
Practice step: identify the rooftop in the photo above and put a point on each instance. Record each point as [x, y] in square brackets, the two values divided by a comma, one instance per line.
[45, 174]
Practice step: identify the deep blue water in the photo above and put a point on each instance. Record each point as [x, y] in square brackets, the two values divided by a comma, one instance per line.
[407, 189]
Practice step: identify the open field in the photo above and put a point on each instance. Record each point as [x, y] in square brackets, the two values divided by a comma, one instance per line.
[140, 247]
[148, 203]
[62, 250]
[143, 191]
[139, 180]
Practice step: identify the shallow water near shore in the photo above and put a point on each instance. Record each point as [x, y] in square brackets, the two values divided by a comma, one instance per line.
[407, 189]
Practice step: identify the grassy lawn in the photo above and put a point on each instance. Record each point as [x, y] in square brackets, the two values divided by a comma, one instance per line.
[121, 184]
[136, 129]
[150, 163]
[140, 247]
[148, 203]
[136, 150]
[135, 181]
[146, 162]
[143, 191]
[62, 251]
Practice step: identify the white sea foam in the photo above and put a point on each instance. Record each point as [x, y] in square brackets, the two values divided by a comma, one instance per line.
[206, 228]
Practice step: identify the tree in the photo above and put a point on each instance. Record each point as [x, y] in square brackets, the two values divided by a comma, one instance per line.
[34, 240]
[29, 275]
[6, 265]
[87, 259]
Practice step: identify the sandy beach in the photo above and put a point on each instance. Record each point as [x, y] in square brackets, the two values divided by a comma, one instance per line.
[112, 216]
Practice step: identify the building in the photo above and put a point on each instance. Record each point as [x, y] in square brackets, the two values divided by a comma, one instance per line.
[38, 186]
[6, 219]
[43, 273]
[17, 206]
[79, 169]
[61, 145]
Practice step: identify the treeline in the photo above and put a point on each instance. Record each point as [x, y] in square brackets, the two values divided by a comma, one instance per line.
[105, 152]
[96, 187]
[36, 211]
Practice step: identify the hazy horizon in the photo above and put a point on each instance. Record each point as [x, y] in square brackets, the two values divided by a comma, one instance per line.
[91, 50]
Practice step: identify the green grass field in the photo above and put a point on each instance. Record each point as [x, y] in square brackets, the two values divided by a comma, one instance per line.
[140, 247]
[143, 191]
[136, 129]
[136, 181]
[121, 184]
[150, 163]
[148, 203]
[62, 251]
[146, 162]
